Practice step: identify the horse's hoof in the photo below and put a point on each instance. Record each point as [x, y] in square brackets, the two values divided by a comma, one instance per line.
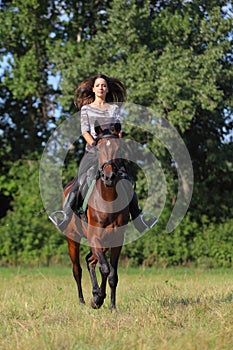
[94, 305]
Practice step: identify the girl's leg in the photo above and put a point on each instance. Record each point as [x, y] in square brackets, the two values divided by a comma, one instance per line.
[61, 218]
[142, 221]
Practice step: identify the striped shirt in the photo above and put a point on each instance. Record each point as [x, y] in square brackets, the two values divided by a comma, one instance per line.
[105, 117]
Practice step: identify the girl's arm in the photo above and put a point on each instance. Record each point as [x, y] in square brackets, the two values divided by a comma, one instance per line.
[85, 126]
[88, 138]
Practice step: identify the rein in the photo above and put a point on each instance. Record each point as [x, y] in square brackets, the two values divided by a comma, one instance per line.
[105, 135]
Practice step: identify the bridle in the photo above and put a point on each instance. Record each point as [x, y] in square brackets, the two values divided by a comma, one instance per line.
[115, 164]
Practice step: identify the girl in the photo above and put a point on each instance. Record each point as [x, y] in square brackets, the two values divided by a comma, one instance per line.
[94, 98]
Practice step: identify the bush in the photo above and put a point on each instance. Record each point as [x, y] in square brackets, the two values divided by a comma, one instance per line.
[213, 245]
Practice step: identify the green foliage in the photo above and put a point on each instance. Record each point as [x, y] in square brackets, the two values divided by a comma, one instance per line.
[213, 244]
[27, 95]
[26, 234]
[207, 244]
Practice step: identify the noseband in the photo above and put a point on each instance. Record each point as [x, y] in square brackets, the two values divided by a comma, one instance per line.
[114, 165]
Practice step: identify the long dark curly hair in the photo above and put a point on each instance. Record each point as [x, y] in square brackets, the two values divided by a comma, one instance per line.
[84, 95]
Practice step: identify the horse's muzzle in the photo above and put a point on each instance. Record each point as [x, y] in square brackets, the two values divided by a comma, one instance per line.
[109, 178]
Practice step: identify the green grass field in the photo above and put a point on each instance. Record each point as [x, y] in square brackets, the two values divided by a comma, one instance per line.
[172, 309]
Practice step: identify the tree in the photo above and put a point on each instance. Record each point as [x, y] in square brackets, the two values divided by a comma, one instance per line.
[27, 93]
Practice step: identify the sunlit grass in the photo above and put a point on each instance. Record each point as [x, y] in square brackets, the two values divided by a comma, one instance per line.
[177, 309]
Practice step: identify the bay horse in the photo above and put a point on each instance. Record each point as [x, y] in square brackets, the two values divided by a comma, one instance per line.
[107, 219]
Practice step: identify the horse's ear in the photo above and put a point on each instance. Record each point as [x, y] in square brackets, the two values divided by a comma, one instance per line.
[117, 128]
[98, 129]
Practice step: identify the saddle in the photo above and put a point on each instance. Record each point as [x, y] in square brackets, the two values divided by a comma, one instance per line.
[76, 201]
[80, 192]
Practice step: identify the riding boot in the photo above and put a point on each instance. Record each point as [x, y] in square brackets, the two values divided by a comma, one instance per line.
[140, 220]
[61, 218]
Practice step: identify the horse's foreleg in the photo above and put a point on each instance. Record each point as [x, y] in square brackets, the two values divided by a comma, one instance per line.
[99, 293]
[77, 270]
[91, 264]
[113, 276]
[104, 270]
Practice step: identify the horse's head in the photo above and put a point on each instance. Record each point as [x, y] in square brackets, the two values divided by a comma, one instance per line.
[108, 150]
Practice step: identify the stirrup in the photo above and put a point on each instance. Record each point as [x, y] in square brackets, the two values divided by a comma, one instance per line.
[55, 220]
[150, 222]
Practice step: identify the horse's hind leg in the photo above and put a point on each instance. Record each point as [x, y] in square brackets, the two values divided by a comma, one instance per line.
[113, 276]
[77, 270]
